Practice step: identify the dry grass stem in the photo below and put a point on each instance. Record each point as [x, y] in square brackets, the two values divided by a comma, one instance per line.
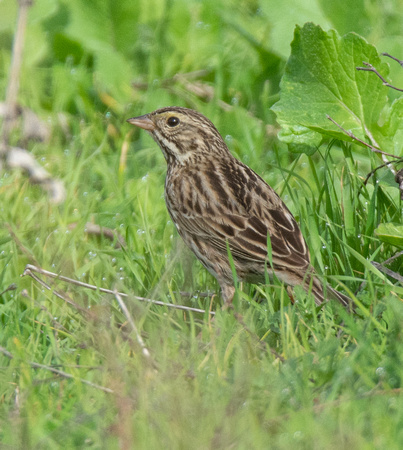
[355, 138]
[370, 68]
[61, 373]
[129, 318]
[29, 269]
[98, 230]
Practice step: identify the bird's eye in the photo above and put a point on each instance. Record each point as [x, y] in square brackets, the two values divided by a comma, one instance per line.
[173, 121]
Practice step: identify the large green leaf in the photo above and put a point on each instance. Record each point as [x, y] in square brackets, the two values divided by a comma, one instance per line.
[321, 79]
[390, 135]
[392, 233]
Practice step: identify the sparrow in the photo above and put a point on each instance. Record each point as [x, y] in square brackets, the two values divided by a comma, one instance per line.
[223, 210]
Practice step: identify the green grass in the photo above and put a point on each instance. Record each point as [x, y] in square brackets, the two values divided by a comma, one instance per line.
[285, 376]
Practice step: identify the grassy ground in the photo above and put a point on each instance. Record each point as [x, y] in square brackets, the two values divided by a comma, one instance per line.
[283, 376]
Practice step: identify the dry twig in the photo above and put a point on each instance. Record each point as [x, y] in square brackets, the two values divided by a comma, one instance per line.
[398, 175]
[56, 325]
[355, 138]
[129, 318]
[392, 258]
[370, 174]
[387, 271]
[399, 61]
[29, 269]
[98, 230]
[63, 296]
[370, 68]
[11, 287]
[61, 373]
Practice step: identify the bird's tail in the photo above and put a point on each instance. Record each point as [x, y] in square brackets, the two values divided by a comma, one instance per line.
[314, 285]
[346, 301]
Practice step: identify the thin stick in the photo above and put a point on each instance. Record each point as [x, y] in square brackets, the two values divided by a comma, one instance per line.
[389, 272]
[370, 68]
[393, 57]
[58, 294]
[29, 268]
[389, 260]
[6, 352]
[108, 233]
[129, 318]
[58, 372]
[57, 325]
[380, 167]
[355, 138]
[192, 294]
[11, 287]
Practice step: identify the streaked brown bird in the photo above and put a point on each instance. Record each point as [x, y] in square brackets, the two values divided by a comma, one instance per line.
[217, 202]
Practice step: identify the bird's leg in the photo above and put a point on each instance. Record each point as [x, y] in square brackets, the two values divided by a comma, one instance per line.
[290, 293]
[227, 292]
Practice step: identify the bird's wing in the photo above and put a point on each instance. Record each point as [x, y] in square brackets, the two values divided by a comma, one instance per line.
[248, 238]
[244, 215]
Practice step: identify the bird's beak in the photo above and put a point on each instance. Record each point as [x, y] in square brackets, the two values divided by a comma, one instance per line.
[143, 122]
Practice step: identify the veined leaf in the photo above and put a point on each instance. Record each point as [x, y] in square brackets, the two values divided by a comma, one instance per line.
[321, 79]
[390, 136]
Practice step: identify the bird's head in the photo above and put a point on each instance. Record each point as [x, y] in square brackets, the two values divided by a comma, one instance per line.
[183, 134]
